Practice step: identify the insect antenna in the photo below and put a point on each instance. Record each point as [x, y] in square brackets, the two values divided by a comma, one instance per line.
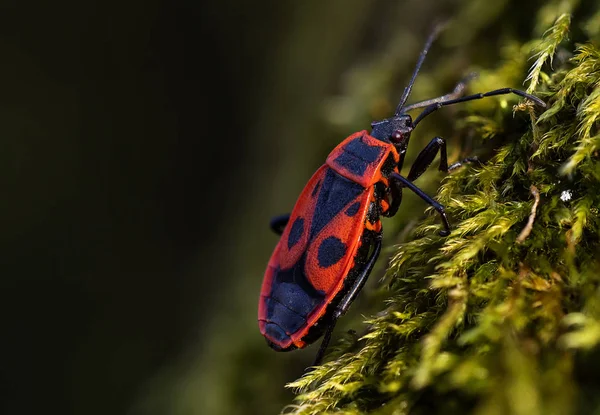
[502, 91]
[432, 36]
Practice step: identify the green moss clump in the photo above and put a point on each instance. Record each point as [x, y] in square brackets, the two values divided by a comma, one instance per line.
[502, 316]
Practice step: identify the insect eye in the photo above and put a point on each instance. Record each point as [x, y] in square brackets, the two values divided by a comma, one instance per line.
[397, 136]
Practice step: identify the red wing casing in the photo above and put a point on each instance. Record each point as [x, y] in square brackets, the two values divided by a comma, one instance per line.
[360, 158]
[317, 248]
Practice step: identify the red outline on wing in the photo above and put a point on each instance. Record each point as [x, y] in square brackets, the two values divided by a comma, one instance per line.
[373, 172]
[285, 258]
[346, 228]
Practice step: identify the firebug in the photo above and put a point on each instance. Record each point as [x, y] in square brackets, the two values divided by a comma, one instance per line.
[330, 241]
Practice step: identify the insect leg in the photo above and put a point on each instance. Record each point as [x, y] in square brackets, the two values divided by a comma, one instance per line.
[404, 182]
[278, 223]
[396, 198]
[360, 281]
[426, 156]
[324, 343]
[344, 304]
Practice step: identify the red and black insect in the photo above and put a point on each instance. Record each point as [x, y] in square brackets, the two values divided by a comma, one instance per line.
[332, 238]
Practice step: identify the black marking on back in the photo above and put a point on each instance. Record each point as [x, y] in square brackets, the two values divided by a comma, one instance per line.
[296, 232]
[361, 149]
[336, 193]
[275, 332]
[353, 209]
[316, 330]
[331, 250]
[283, 316]
[357, 155]
[292, 290]
[316, 189]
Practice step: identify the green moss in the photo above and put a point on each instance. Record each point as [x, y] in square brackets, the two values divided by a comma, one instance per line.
[494, 319]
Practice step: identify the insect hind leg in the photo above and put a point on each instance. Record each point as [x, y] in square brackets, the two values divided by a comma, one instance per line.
[344, 304]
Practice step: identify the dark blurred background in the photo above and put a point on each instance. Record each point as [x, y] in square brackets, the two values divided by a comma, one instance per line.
[144, 146]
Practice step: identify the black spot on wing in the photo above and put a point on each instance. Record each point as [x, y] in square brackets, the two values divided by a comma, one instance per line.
[296, 232]
[331, 250]
[353, 209]
[336, 193]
